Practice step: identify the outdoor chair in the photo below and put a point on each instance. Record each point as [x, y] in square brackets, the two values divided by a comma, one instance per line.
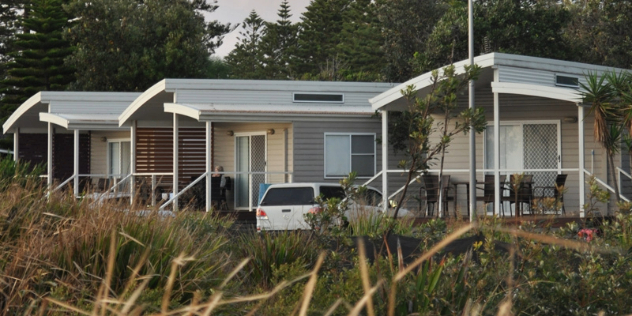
[431, 188]
[560, 181]
[488, 190]
[523, 196]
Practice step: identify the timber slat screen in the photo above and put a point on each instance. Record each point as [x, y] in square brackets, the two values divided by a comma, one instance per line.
[154, 153]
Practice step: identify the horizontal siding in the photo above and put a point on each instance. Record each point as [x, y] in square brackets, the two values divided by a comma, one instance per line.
[263, 97]
[531, 76]
[278, 159]
[524, 108]
[98, 150]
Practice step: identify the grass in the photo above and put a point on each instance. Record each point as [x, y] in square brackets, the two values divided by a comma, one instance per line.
[59, 256]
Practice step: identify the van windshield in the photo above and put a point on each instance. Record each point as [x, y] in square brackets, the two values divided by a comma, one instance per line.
[289, 196]
[331, 192]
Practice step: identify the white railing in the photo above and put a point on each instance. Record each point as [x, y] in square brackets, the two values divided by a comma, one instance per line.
[608, 187]
[175, 196]
[620, 173]
[250, 174]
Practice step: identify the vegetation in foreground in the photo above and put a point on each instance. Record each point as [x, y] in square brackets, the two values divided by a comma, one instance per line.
[59, 256]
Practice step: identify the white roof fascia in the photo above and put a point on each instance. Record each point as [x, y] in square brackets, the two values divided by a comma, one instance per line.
[172, 85]
[23, 108]
[557, 93]
[253, 113]
[491, 60]
[141, 100]
[82, 122]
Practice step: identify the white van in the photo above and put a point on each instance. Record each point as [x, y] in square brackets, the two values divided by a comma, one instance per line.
[283, 205]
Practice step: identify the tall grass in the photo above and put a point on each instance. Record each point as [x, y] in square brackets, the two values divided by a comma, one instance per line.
[62, 256]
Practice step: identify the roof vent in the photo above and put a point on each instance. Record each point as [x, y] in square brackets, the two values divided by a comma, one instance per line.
[566, 81]
[319, 97]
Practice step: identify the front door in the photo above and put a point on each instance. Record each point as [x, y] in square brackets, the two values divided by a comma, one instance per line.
[250, 156]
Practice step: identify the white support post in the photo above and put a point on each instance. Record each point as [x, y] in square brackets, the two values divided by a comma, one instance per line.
[385, 194]
[176, 128]
[497, 191]
[76, 164]
[49, 154]
[16, 144]
[132, 162]
[582, 176]
[472, 193]
[209, 166]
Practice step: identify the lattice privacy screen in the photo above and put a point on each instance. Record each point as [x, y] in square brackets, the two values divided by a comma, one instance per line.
[540, 152]
[257, 164]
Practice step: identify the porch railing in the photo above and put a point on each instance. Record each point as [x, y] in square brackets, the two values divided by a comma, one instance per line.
[204, 175]
[621, 173]
[607, 186]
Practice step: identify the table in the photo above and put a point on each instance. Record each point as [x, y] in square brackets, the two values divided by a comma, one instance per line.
[504, 187]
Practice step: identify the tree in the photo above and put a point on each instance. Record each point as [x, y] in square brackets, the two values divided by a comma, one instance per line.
[525, 27]
[38, 63]
[600, 32]
[246, 59]
[319, 35]
[407, 24]
[278, 45]
[361, 42]
[418, 124]
[610, 100]
[128, 45]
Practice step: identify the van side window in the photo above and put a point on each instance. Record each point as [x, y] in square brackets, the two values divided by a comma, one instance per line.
[289, 196]
[329, 192]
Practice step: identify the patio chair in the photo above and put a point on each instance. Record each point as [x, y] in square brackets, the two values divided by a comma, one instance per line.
[524, 194]
[431, 188]
[560, 181]
[488, 190]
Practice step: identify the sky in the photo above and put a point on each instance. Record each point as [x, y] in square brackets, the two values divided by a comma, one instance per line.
[236, 11]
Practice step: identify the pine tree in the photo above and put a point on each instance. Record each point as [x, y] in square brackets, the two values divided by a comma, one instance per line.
[319, 35]
[279, 45]
[246, 59]
[361, 42]
[39, 62]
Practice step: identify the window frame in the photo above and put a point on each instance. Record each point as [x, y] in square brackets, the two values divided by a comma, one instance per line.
[351, 154]
[564, 84]
[108, 166]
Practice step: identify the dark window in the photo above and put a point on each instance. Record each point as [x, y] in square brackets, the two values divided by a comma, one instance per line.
[566, 81]
[289, 196]
[330, 192]
[371, 197]
[312, 97]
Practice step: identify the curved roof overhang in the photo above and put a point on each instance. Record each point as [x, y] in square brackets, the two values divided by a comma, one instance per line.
[26, 114]
[253, 113]
[82, 122]
[138, 108]
[392, 99]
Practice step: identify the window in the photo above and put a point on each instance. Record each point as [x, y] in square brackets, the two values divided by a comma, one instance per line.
[332, 192]
[319, 97]
[289, 196]
[566, 81]
[349, 152]
[119, 158]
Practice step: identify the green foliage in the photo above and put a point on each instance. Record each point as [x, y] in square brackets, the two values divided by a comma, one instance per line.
[417, 124]
[376, 225]
[279, 45]
[599, 32]
[595, 195]
[330, 218]
[246, 59]
[269, 251]
[319, 35]
[14, 173]
[129, 45]
[38, 62]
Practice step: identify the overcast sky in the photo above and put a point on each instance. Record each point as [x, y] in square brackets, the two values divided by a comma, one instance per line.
[235, 11]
